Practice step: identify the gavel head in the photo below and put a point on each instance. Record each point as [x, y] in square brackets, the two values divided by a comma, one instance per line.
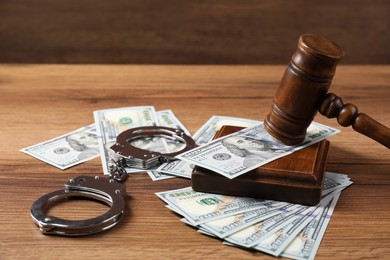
[303, 87]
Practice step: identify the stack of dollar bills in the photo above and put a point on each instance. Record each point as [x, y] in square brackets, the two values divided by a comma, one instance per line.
[277, 228]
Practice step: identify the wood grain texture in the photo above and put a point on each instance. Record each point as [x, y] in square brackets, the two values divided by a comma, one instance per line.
[39, 102]
[188, 32]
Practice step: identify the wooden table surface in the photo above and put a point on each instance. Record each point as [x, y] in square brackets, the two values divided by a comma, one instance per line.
[40, 102]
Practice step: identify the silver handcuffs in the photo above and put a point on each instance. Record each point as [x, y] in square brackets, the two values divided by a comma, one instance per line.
[132, 156]
[111, 191]
[105, 190]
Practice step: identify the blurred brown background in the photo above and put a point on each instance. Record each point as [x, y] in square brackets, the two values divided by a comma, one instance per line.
[188, 32]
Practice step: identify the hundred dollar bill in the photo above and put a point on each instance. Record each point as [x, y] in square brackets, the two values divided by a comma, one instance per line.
[200, 207]
[232, 224]
[277, 232]
[111, 122]
[334, 182]
[280, 239]
[255, 233]
[205, 232]
[67, 150]
[276, 227]
[168, 119]
[229, 225]
[248, 149]
[207, 132]
[204, 135]
[276, 242]
[250, 220]
[329, 186]
[177, 168]
[306, 243]
[161, 144]
[338, 176]
[184, 169]
[158, 176]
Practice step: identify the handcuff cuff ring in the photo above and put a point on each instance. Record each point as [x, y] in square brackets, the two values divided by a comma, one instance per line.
[105, 190]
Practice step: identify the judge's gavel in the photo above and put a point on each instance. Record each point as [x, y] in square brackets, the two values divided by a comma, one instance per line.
[303, 91]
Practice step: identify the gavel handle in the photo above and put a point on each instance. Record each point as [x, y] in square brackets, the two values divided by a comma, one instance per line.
[333, 106]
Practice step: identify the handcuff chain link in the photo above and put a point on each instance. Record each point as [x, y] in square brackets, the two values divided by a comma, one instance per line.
[117, 169]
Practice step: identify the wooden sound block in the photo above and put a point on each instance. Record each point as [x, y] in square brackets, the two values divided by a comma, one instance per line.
[295, 178]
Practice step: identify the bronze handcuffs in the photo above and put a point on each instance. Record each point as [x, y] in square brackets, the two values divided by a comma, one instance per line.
[112, 190]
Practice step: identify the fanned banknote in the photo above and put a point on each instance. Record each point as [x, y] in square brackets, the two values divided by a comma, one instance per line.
[281, 238]
[67, 150]
[306, 243]
[277, 228]
[248, 149]
[200, 207]
[334, 182]
[275, 234]
[226, 226]
[255, 233]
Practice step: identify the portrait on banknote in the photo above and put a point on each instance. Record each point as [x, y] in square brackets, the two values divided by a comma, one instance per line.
[253, 150]
[84, 142]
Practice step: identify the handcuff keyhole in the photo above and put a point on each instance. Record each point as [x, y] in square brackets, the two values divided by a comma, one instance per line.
[81, 180]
